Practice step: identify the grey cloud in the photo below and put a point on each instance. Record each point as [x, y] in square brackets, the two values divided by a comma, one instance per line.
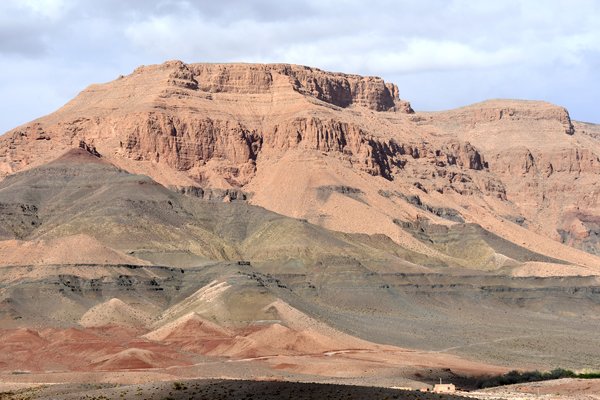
[225, 11]
[22, 41]
[22, 32]
[259, 10]
[442, 53]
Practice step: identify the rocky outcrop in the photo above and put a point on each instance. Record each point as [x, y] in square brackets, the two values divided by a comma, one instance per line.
[463, 155]
[506, 111]
[341, 90]
[91, 149]
[581, 230]
[213, 194]
[323, 192]
[522, 161]
[446, 166]
[188, 143]
[443, 212]
[183, 77]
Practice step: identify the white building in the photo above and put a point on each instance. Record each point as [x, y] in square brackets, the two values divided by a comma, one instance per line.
[444, 388]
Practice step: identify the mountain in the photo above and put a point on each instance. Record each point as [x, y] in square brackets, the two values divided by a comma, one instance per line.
[341, 151]
[214, 220]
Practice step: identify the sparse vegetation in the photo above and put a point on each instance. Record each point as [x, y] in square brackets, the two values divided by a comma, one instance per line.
[589, 375]
[179, 386]
[514, 377]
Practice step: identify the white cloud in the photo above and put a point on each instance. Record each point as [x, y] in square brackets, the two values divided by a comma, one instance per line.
[443, 53]
[404, 56]
[53, 9]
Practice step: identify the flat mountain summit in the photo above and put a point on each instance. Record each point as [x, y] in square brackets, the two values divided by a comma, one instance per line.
[302, 223]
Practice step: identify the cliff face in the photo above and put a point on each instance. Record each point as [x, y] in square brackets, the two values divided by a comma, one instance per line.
[549, 165]
[244, 128]
[184, 116]
[341, 90]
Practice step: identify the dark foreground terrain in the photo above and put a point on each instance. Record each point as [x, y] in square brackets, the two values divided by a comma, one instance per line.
[219, 389]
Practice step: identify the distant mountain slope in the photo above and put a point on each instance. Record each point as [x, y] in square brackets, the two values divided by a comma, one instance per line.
[81, 193]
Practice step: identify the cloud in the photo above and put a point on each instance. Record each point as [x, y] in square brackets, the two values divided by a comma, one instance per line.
[21, 30]
[52, 9]
[20, 40]
[434, 35]
[442, 53]
[404, 56]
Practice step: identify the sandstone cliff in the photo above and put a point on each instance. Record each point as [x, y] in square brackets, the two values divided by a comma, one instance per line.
[278, 133]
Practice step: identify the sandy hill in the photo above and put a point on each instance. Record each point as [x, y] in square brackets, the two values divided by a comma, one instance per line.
[189, 326]
[115, 312]
[75, 249]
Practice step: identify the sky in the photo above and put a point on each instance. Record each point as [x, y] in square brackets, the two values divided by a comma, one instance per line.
[441, 53]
